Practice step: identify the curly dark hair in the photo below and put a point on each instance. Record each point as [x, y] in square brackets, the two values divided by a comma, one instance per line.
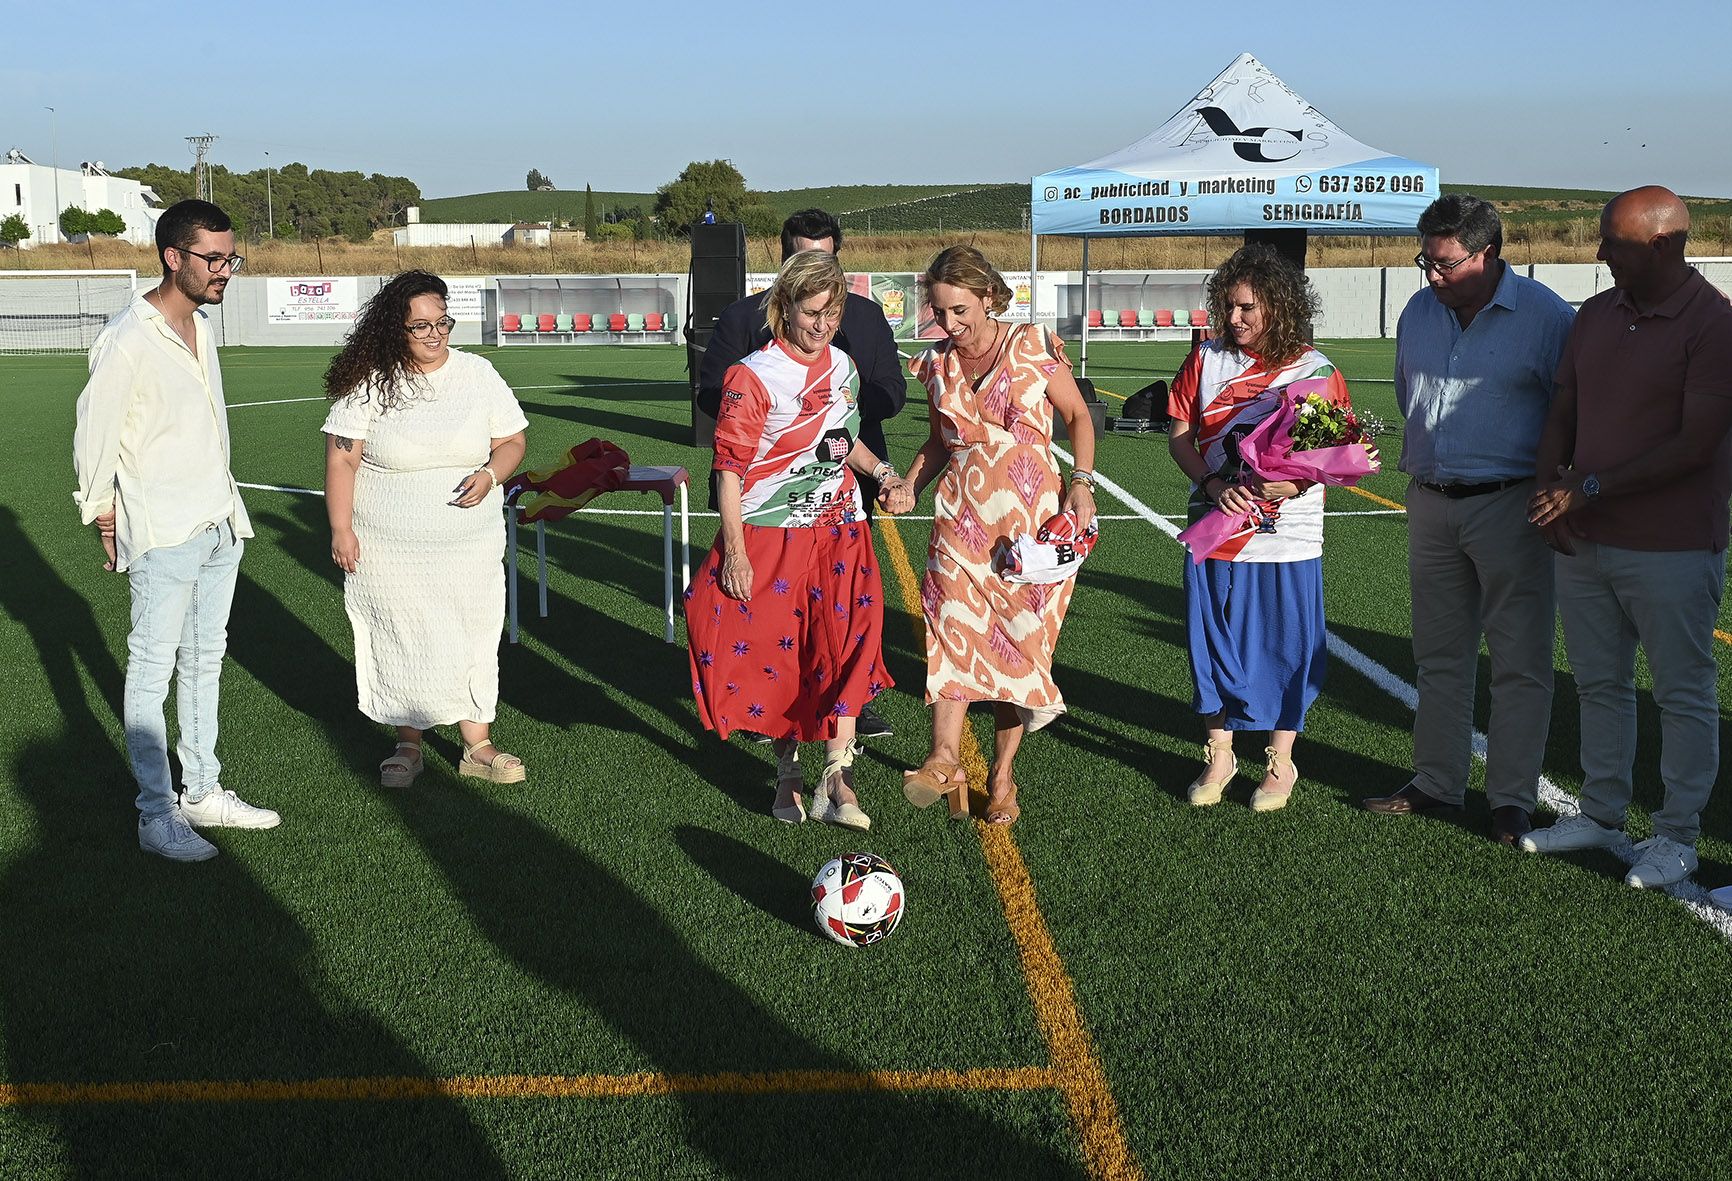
[377, 350]
[1288, 300]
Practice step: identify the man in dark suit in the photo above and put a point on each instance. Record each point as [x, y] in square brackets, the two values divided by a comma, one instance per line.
[864, 335]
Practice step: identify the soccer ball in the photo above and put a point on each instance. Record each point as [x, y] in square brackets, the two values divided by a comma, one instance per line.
[857, 899]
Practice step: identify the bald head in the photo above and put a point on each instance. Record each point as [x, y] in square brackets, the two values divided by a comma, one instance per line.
[1648, 212]
[1642, 237]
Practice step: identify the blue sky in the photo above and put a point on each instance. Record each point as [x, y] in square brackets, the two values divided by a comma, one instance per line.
[465, 97]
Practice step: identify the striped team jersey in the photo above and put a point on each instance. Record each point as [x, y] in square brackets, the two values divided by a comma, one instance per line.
[786, 428]
[1224, 394]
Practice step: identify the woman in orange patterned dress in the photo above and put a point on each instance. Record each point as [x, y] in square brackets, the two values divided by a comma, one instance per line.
[993, 389]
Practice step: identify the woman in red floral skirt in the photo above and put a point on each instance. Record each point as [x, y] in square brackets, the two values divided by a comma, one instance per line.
[786, 615]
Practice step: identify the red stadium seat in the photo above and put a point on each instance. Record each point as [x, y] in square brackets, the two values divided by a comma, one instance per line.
[1128, 318]
[652, 322]
[545, 323]
[580, 322]
[510, 322]
[1163, 317]
[1094, 317]
[1200, 318]
[616, 322]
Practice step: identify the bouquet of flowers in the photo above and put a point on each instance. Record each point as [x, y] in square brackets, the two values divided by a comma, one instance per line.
[1308, 437]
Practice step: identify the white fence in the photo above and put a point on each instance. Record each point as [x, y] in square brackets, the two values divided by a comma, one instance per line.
[1358, 302]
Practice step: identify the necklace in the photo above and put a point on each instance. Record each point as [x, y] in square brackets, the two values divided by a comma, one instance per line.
[971, 366]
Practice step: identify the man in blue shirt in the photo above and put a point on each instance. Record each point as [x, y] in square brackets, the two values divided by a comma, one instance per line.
[1475, 357]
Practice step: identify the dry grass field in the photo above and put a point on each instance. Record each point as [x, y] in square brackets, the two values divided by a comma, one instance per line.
[884, 252]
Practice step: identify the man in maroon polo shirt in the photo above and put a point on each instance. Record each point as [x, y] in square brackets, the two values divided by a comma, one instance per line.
[1635, 470]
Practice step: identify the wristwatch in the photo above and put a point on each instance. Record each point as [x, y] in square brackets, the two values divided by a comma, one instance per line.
[1591, 487]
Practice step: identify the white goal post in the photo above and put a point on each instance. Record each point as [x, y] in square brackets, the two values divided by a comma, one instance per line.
[59, 311]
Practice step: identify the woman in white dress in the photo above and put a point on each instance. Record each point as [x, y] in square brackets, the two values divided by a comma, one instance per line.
[418, 441]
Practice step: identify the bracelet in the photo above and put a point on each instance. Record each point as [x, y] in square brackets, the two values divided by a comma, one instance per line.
[490, 475]
[1203, 485]
[884, 471]
[1081, 476]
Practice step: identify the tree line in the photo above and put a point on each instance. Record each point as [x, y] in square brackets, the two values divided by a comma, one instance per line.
[303, 202]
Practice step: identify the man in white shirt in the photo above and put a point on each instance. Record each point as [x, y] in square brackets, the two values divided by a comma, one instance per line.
[151, 451]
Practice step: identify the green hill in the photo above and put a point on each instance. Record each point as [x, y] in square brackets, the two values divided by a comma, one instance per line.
[939, 208]
[567, 204]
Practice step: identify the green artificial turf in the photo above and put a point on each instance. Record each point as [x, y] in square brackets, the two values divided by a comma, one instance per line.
[1316, 992]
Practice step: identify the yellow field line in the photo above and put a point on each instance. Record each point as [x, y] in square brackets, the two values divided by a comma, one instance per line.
[1076, 1068]
[1380, 500]
[524, 1086]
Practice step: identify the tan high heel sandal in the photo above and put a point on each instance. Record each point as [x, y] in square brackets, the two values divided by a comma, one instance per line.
[1277, 768]
[1203, 790]
[936, 781]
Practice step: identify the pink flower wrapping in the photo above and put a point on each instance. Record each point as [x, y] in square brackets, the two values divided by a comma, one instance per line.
[1267, 451]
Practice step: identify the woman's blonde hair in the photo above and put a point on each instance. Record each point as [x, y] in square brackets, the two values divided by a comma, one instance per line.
[966, 267]
[808, 273]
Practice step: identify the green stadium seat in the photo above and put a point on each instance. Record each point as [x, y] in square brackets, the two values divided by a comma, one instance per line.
[670, 322]
[598, 321]
[1146, 318]
[1181, 318]
[562, 322]
[634, 322]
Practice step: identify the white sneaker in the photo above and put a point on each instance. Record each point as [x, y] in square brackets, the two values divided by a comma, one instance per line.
[224, 809]
[172, 837]
[1660, 861]
[1571, 833]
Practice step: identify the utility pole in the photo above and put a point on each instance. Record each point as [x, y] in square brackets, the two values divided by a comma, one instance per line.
[270, 213]
[200, 170]
[54, 131]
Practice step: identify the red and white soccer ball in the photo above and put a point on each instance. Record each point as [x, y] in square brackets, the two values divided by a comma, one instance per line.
[857, 899]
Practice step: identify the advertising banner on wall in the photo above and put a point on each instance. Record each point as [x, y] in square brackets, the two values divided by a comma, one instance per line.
[313, 300]
[464, 301]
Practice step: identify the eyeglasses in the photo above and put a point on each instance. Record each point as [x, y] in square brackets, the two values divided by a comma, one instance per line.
[1442, 268]
[422, 330]
[232, 263]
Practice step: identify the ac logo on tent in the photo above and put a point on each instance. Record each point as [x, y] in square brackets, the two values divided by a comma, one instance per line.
[1259, 145]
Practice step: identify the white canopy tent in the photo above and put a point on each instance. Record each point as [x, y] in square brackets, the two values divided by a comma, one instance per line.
[1247, 155]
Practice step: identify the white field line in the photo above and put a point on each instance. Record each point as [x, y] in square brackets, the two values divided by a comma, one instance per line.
[564, 385]
[274, 402]
[1687, 892]
[701, 513]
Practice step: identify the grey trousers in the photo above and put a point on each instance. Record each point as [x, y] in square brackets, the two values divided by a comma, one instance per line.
[1668, 602]
[1476, 565]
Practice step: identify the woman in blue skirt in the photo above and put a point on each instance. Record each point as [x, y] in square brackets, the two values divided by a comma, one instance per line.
[1253, 607]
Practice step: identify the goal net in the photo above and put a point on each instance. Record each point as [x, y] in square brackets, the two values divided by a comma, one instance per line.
[59, 311]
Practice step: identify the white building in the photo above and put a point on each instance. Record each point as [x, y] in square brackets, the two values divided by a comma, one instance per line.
[28, 188]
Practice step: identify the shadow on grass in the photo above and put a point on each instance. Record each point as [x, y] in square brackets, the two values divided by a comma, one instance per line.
[781, 893]
[125, 967]
[566, 920]
[594, 417]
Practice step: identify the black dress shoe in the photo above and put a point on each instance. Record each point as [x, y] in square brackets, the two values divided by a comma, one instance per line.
[1409, 801]
[871, 725]
[1509, 824]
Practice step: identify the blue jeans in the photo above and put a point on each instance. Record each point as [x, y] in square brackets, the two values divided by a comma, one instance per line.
[180, 615]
